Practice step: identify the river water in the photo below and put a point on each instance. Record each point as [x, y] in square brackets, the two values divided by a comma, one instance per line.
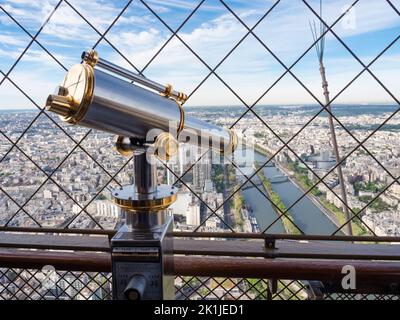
[307, 216]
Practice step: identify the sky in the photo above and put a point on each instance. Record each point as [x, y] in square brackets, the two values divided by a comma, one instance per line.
[211, 32]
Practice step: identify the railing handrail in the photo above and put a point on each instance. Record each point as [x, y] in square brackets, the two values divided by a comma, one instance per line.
[372, 277]
[238, 267]
[234, 248]
[379, 272]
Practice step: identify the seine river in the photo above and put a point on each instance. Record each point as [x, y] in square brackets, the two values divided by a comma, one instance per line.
[306, 214]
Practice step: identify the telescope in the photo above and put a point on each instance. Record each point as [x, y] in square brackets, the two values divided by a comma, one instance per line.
[150, 122]
[135, 112]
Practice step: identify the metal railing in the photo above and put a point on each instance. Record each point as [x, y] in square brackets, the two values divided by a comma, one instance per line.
[62, 265]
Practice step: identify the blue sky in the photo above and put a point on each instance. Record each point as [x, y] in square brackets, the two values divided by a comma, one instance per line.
[211, 32]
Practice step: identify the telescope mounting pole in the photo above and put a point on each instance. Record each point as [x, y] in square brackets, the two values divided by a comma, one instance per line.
[142, 249]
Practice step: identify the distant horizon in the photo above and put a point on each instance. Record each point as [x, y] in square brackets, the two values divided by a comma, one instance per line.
[241, 106]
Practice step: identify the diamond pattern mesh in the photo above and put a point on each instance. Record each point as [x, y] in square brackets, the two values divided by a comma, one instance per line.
[44, 188]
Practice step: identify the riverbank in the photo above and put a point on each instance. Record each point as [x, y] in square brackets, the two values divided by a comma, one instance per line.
[237, 205]
[301, 181]
[335, 214]
[287, 219]
[260, 208]
[297, 181]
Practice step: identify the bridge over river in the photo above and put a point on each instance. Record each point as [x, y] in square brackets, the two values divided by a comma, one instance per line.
[273, 180]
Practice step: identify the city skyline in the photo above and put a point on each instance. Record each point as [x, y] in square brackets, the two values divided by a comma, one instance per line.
[72, 191]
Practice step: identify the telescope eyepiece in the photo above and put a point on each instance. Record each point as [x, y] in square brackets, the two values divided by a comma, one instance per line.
[74, 96]
[61, 105]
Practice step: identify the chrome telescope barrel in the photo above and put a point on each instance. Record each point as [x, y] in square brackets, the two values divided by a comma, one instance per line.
[96, 99]
[91, 57]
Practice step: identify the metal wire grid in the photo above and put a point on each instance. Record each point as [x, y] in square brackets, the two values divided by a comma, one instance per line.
[30, 284]
[346, 296]
[200, 288]
[249, 110]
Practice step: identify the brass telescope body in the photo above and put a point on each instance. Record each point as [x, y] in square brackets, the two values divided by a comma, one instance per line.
[143, 114]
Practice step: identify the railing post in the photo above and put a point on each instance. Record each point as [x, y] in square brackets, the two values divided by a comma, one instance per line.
[270, 244]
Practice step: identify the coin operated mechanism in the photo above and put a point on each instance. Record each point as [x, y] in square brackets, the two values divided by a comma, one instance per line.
[149, 122]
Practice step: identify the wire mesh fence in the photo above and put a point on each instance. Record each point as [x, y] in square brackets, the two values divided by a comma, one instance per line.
[58, 176]
[27, 284]
[24, 284]
[49, 284]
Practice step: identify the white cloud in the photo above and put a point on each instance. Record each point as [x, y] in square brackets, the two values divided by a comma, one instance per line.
[285, 30]
[10, 54]
[12, 40]
[31, 14]
[167, 6]
[99, 13]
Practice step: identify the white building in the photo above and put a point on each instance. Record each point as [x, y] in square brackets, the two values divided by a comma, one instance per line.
[105, 208]
[185, 206]
[193, 215]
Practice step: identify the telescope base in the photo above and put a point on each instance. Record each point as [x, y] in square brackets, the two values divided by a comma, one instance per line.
[128, 199]
[142, 263]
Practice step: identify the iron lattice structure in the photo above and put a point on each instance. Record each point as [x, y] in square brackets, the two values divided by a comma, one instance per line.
[188, 287]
